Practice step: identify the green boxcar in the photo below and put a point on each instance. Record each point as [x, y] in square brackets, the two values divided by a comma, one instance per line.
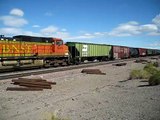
[89, 51]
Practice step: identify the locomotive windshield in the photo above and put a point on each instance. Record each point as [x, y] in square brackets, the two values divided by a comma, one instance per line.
[59, 42]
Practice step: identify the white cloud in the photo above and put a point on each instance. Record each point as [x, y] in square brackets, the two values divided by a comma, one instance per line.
[10, 31]
[98, 33]
[17, 31]
[85, 36]
[133, 28]
[62, 35]
[125, 29]
[156, 20]
[154, 34]
[130, 23]
[17, 12]
[53, 31]
[13, 21]
[49, 31]
[149, 28]
[36, 26]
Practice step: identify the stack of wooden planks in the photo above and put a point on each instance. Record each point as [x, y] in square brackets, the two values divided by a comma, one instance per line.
[92, 71]
[30, 84]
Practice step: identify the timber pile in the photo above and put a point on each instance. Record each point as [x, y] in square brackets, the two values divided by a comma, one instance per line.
[30, 84]
[92, 71]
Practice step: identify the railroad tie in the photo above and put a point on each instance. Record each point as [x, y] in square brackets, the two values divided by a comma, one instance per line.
[29, 84]
[23, 89]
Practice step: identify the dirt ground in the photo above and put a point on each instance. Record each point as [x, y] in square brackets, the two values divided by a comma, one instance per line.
[79, 96]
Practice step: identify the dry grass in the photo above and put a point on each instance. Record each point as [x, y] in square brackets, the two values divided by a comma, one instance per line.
[148, 71]
[139, 74]
[154, 79]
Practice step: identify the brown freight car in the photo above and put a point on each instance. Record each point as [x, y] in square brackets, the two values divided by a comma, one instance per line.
[142, 52]
[120, 52]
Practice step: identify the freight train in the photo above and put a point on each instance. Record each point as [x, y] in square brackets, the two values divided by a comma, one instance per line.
[27, 51]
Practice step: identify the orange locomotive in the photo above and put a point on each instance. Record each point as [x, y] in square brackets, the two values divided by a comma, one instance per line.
[22, 51]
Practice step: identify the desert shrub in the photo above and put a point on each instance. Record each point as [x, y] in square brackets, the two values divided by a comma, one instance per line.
[154, 79]
[139, 74]
[144, 74]
[150, 68]
[134, 74]
[155, 64]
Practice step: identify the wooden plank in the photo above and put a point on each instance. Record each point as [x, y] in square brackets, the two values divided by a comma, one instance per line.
[33, 83]
[23, 89]
[35, 86]
[28, 79]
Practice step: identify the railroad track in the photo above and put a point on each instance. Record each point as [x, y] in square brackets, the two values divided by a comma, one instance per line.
[49, 70]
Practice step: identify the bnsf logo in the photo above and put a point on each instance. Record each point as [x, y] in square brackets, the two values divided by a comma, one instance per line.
[19, 48]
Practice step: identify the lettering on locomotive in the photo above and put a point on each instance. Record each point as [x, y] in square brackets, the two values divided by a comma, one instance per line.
[16, 48]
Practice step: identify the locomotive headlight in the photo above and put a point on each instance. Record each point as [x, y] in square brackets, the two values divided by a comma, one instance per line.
[66, 54]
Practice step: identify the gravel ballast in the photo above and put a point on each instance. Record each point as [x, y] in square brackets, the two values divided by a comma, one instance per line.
[80, 96]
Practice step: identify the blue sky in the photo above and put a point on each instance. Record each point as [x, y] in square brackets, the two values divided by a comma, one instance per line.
[133, 23]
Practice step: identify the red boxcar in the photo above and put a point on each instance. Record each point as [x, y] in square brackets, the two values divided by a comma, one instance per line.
[120, 52]
[142, 51]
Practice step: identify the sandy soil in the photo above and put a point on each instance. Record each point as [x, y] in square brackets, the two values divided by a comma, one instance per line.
[79, 96]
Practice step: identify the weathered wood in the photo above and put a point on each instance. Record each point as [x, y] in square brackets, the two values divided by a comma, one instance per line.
[28, 79]
[34, 83]
[36, 86]
[23, 89]
[31, 83]
[53, 83]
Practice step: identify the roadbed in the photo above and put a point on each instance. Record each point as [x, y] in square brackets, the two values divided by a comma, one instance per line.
[80, 96]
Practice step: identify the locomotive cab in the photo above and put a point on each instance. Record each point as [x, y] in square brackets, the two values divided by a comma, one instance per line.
[59, 47]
